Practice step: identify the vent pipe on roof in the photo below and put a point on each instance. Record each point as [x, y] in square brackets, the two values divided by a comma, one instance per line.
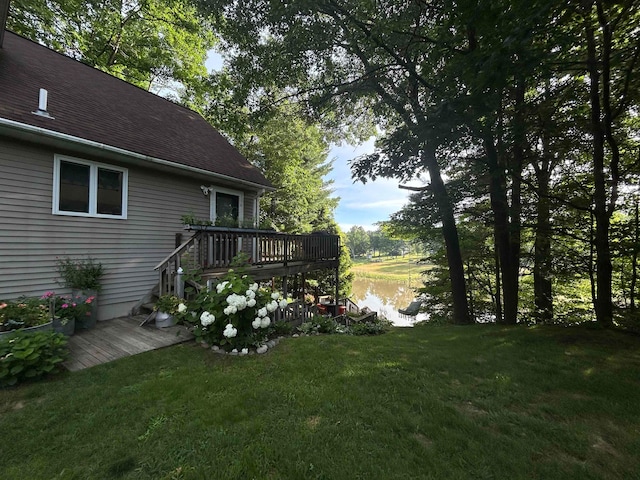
[4, 14]
[42, 104]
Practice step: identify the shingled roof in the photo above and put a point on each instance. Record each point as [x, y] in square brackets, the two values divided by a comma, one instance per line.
[89, 104]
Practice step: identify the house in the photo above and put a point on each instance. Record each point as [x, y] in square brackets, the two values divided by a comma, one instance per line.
[94, 166]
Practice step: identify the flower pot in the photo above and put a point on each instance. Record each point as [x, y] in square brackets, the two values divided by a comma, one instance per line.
[164, 320]
[65, 326]
[37, 328]
[91, 320]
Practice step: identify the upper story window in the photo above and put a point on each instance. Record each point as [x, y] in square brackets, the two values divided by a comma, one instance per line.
[88, 189]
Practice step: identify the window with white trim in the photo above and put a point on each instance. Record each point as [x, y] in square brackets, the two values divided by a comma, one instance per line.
[84, 188]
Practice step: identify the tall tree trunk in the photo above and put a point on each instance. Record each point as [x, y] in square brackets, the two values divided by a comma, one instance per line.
[543, 297]
[496, 258]
[604, 268]
[634, 259]
[515, 170]
[592, 273]
[451, 240]
[501, 226]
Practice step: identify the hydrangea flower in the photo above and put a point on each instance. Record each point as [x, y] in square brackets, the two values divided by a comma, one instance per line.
[207, 319]
[221, 286]
[257, 323]
[262, 312]
[237, 301]
[272, 306]
[251, 302]
[265, 322]
[182, 308]
[254, 287]
[230, 331]
[283, 303]
[275, 295]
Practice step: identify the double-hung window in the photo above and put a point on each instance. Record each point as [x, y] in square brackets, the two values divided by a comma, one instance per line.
[88, 189]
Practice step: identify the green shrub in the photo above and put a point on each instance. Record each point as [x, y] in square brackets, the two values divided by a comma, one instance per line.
[26, 355]
[80, 274]
[282, 328]
[308, 328]
[371, 327]
[325, 324]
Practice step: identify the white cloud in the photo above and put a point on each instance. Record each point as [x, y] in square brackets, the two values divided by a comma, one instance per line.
[396, 203]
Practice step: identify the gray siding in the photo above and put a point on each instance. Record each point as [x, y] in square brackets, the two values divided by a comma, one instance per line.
[31, 237]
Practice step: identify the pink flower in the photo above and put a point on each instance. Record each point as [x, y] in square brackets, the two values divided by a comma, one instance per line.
[90, 299]
[47, 295]
[3, 305]
[74, 304]
[65, 305]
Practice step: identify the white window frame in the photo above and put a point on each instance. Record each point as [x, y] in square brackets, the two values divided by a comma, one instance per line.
[212, 205]
[93, 187]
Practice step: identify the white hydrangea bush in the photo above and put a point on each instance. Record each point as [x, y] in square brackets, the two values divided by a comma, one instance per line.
[236, 312]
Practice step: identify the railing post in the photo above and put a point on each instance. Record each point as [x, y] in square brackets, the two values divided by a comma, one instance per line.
[179, 286]
[286, 249]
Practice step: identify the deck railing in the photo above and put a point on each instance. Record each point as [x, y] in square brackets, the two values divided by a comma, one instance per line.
[213, 248]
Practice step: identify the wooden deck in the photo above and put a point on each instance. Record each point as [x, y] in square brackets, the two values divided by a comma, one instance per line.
[118, 338]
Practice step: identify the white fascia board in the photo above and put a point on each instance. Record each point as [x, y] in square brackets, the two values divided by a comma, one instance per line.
[8, 126]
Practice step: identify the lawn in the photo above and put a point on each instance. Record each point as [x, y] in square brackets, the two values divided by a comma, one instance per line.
[482, 402]
[389, 268]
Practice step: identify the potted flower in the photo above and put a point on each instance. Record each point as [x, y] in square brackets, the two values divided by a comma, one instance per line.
[24, 314]
[167, 307]
[83, 277]
[69, 312]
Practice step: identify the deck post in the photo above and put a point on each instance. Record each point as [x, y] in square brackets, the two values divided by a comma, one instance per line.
[337, 288]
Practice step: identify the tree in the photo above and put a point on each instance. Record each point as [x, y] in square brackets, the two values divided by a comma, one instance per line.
[342, 59]
[293, 156]
[358, 241]
[155, 44]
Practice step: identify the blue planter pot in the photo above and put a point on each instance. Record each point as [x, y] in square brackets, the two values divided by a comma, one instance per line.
[67, 328]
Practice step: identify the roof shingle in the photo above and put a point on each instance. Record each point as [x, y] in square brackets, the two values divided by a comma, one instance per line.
[88, 103]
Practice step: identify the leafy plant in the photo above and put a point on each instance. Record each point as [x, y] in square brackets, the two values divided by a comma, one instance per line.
[80, 274]
[23, 313]
[26, 355]
[371, 327]
[308, 328]
[170, 304]
[191, 219]
[325, 324]
[226, 221]
[282, 328]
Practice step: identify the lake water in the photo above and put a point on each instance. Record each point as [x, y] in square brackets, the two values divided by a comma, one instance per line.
[386, 297]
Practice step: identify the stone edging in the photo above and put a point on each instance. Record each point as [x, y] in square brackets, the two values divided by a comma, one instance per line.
[260, 350]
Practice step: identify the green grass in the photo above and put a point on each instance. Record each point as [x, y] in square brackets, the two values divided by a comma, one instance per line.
[389, 268]
[482, 402]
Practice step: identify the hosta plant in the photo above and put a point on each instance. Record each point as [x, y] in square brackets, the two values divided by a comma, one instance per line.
[236, 313]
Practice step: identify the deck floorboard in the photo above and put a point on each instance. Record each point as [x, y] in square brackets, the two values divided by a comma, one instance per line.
[118, 338]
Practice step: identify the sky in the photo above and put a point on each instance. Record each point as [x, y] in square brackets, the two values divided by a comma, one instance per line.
[360, 204]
